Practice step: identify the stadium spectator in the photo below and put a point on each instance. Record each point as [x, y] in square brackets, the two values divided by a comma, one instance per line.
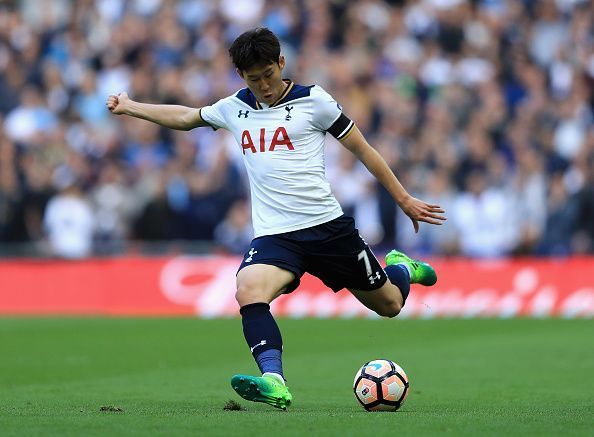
[70, 224]
[561, 222]
[234, 234]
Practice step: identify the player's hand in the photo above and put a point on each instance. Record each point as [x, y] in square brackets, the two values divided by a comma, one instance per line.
[117, 104]
[419, 211]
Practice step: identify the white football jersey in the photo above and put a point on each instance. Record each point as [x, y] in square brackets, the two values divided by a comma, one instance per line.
[283, 151]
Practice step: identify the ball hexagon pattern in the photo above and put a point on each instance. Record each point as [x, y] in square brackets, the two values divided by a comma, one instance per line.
[381, 385]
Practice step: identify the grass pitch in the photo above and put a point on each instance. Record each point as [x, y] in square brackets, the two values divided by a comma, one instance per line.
[170, 377]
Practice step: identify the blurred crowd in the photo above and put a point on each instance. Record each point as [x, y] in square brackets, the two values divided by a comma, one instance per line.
[484, 107]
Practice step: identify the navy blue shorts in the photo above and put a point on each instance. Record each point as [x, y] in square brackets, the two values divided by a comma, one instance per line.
[333, 251]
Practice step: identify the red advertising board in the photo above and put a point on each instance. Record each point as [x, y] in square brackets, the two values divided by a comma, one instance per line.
[205, 287]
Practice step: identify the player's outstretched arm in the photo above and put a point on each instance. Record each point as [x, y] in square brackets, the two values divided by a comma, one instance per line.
[416, 209]
[171, 116]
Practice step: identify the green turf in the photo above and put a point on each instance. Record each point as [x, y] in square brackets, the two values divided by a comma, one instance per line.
[171, 377]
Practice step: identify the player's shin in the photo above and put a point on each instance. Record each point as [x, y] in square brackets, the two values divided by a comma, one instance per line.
[263, 337]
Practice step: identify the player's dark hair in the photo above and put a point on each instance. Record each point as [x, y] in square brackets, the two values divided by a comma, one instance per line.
[256, 47]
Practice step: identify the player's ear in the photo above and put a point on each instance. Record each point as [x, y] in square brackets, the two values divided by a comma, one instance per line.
[281, 62]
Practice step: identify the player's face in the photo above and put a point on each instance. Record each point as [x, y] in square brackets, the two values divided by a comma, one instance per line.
[266, 81]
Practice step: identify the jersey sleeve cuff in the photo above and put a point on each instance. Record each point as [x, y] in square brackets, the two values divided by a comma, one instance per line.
[341, 127]
[205, 121]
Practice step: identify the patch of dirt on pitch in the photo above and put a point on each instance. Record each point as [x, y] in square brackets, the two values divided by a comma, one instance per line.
[111, 409]
[231, 405]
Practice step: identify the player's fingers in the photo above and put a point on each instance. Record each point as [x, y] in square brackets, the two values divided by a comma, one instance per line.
[434, 208]
[415, 225]
[436, 216]
[432, 221]
[426, 213]
[112, 102]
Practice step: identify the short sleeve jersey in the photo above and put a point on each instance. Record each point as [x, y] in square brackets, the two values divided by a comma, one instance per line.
[283, 151]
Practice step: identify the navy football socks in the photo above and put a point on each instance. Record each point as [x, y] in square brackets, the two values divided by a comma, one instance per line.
[263, 337]
[270, 361]
[399, 276]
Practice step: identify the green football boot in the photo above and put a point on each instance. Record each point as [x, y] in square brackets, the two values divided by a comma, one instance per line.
[420, 272]
[267, 389]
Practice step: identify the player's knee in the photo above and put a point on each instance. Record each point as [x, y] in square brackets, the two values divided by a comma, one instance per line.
[248, 292]
[389, 309]
[245, 294]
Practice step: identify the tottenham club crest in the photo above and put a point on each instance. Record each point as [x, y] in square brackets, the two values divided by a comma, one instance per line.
[251, 254]
[288, 109]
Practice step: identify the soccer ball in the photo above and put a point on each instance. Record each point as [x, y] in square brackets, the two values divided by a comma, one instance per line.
[381, 385]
